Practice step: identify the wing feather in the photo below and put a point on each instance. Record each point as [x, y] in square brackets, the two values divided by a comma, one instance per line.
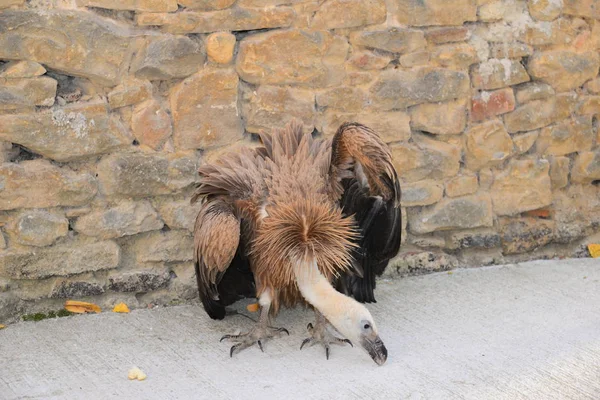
[216, 242]
[364, 177]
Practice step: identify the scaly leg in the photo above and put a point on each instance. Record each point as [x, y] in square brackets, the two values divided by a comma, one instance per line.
[261, 331]
[320, 334]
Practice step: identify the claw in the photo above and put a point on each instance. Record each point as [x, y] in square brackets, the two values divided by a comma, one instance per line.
[284, 330]
[347, 341]
[235, 346]
[225, 337]
[327, 352]
[309, 326]
[260, 345]
[304, 342]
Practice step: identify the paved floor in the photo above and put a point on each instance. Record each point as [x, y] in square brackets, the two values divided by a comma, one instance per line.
[530, 331]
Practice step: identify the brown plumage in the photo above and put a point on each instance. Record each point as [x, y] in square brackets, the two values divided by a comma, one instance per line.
[277, 221]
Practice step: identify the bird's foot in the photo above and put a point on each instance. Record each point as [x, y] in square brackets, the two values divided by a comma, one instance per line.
[320, 334]
[257, 335]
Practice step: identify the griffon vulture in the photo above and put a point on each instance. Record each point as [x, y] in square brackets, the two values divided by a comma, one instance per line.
[299, 220]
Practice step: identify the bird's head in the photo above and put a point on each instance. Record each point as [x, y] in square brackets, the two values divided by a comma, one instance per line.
[358, 326]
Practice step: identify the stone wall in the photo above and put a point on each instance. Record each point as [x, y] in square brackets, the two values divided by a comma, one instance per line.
[107, 107]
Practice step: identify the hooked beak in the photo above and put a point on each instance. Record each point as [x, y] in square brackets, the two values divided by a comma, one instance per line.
[376, 349]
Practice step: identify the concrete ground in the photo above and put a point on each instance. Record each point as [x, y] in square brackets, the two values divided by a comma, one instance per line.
[528, 331]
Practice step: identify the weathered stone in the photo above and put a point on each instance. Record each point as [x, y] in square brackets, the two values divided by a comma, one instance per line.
[435, 12]
[391, 126]
[10, 3]
[427, 242]
[447, 34]
[455, 55]
[525, 234]
[525, 185]
[486, 178]
[588, 105]
[220, 46]
[524, 141]
[417, 59]
[82, 43]
[205, 111]
[270, 107]
[401, 89]
[206, 5]
[545, 10]
[76, 289]
[126, 218]
[420, 262]
[564, 70]
[64, 259]
[422, 193]
[177, 214]
[534, 91]
[66, 133]
[129, 92]
[586, 168]
[133, 5]
[168, 57]
[426, 158]
[72, 212]
[440, 118]
[488, 144]
[559, 172]
[267, 3]
[184, 282]
[533, 115]
[394, 40]
[453, 213]
[593, 86]
[174, 245]
[491, 11]
[573, 135]
[39, 184]
[143, 175]
[462, 185]
[21, 69]
[513, 50]
[317, 58]
[231, 19]
[496, 74]
[582, 8]
[358, 78]
[335, 14]
[38, 227]
[151, 124]
[485, 105]
[369, 60]
[344, 99]
[27, 92]
[140, 282]
[482, 238]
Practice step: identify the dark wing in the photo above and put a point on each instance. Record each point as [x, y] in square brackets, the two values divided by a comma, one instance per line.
[368, 187]
[222, 270]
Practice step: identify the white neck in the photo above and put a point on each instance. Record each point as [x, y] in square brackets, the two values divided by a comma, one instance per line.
[317, 290]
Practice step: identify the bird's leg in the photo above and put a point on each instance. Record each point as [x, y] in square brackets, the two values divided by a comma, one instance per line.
[260, 333]
[320, 334]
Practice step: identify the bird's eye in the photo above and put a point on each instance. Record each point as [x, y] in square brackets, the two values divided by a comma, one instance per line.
[367, 326]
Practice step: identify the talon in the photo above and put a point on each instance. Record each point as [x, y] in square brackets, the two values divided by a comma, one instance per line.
[304, 342]
[284, 330]
[347, 341]
[309, 326]
[327, 352]
[260, 345]
[225, 337]
[235, 346]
